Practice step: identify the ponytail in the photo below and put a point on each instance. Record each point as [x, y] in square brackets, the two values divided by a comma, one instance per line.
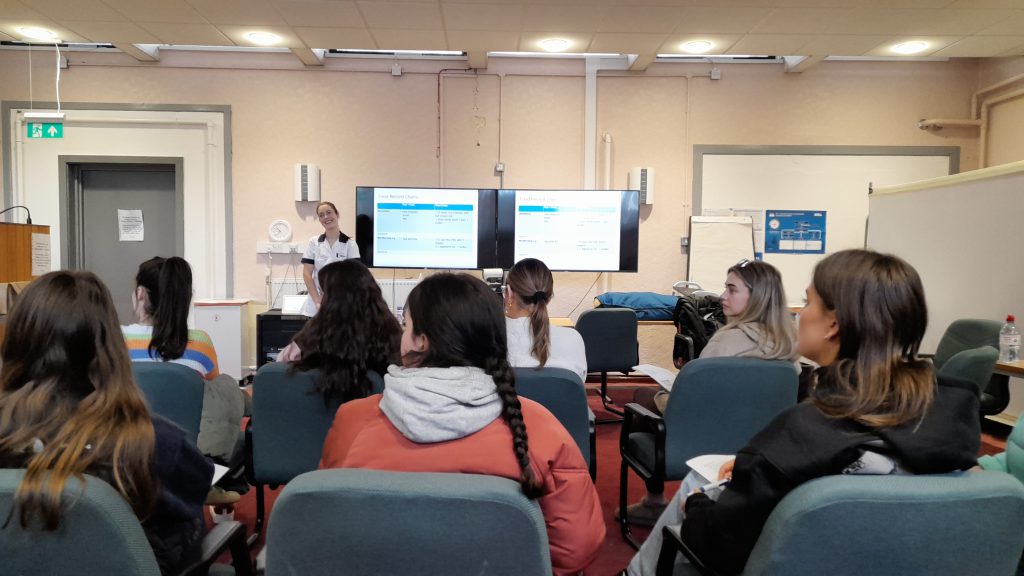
[512, 413]
[169, 284]
[540, 326]
[532, 283]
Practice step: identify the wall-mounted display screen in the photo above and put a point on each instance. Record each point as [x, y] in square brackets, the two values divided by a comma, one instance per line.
[426, 227]
[570, 230]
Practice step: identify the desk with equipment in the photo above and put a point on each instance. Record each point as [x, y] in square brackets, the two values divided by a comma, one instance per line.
[274, 331]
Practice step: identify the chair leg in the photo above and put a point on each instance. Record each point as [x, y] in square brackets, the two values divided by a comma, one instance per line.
[257, 529]
[667, 556]
[606, 401]
[627, 534]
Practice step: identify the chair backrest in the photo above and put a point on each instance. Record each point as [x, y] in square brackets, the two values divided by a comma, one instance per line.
[561, 392]
[174, 392]
[350, 521]
[963, 523]
[609, 335]
[966, 334]
[98, 534]
[718, 404]
[289, 423]
[973, 365]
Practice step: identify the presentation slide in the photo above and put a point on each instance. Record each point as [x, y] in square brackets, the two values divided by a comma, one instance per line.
[569, 229]
[425, 227]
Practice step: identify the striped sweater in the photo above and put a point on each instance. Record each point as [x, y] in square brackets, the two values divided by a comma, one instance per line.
[199, 353]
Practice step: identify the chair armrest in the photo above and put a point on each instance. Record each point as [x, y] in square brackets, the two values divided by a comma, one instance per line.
[672, 543]
[635, 415]
[222, 537]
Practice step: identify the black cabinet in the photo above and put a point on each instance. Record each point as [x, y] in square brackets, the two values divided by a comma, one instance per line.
[274, 331]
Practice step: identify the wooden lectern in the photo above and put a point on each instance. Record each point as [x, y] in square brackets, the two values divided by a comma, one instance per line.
[16, 264]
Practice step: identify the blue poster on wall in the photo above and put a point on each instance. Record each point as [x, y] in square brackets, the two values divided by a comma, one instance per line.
[794, 232]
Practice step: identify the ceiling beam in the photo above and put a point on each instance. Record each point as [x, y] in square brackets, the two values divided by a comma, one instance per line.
[641, 62]
[309, 56]
[140, 53]
[798, 64]
[477, 59]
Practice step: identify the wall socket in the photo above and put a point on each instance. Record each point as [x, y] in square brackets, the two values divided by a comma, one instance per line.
[277, 248]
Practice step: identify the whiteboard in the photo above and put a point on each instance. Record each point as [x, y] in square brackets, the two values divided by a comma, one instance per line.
[962, 234]
[717, 244]
[830, 178]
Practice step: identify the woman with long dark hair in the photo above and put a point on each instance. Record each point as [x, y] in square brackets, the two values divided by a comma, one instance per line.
[69, 406]
[353, 333]
[452, 407]
[874, 407]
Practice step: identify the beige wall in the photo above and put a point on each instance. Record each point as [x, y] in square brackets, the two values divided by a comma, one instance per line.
[363, 126]
[1004, 138]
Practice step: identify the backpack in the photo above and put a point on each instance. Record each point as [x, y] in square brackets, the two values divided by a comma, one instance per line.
[696, 319]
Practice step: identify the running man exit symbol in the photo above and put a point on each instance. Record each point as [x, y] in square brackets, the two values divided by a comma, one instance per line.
[45, 130]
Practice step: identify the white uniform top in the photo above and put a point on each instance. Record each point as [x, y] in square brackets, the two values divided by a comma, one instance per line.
[566, 351]
[320, 253]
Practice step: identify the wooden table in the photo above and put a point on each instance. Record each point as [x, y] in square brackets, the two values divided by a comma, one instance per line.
[1015, 369]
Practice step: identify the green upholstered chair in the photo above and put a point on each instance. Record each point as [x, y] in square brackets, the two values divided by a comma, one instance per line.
[967, 334]
[610, 338]
[561, 392]
[174, 392]
[370, 522]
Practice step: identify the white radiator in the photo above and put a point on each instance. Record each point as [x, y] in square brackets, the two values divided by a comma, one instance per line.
[395, 292]
[281, 287]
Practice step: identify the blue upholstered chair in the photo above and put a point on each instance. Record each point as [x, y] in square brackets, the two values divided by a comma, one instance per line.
[955, 524]
[968, 334]
[561, 392]
[174, 392]
[369, 522]
[716, 406]
[610, 337]
[99, 534]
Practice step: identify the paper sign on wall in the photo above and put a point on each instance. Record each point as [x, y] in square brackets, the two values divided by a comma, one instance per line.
[130, 226]
[795, 232]
[40, 254]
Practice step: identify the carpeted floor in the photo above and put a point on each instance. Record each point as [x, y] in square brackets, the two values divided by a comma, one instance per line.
[615, 552]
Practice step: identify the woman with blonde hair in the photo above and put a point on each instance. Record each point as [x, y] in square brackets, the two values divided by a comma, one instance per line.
[69, 406]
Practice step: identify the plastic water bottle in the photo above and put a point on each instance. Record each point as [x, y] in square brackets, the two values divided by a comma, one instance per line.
[1009, 341]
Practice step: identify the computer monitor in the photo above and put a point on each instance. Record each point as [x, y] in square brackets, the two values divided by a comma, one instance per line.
[570, 230]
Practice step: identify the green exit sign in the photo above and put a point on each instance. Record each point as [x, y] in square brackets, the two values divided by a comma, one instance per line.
[45, 130]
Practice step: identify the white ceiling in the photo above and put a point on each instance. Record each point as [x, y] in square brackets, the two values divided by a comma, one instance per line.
[818, 28]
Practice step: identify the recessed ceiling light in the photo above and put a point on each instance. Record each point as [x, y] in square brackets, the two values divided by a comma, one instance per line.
[912, 47]
[262, 38]
[555, 44]
[696, 46]
[37, 33]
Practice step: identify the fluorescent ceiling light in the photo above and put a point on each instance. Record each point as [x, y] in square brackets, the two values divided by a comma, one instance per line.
[44, 116]
[400, 52]
[555, 44]
[912, 47]
[696, 46]
[550, 55]
[262, 38]
[35, 33]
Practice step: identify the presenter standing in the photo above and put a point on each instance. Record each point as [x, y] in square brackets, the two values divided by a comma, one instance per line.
[331, 246]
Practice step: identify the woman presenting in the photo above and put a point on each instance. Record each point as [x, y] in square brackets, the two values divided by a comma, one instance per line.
[331, 246]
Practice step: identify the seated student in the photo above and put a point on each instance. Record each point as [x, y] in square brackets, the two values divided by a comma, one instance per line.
[69, 406]
[532, 340]
[452, 407]
[162, 297]
[875, 407]
[354, 332]
[759, 326]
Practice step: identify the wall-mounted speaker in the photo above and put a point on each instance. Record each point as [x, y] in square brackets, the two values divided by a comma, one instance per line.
[307, 183]
[642, 179]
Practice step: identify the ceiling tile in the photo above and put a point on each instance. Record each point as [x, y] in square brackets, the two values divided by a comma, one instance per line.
[187, 34]
[712, 20]
[483, 17]
[955, 22]
[1018, 51]
[157, 11]
[562, 18]
[799, 20]
[482, 41]
[839, 45]
[346, 38]
[870, 21]
[111, 32]
[813, 3]
[289, 39]
[722, 43]
[13, 10]
[238, 12]
[987, 4]
[767, 4]
[769, 44]
[391, 39]
[616, 43]
[1011, 26]
[936, 43]
[648, 19]
[10, 27]
[901, 3]
[321, 14]
[5, 37]
[528, 41]
[64, 10]
[401, 15]
[981, 46]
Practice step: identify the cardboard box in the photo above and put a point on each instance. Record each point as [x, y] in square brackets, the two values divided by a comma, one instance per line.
[8, 292]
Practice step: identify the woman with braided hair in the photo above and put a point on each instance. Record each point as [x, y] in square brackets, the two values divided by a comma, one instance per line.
[452, 407]
[532, 340]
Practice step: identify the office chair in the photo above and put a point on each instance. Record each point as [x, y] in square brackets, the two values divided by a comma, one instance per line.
[610, 337]
[940, 525]
[715, 407]
[99, 534]
[561, 392]
[966, 334]
[174, 392]
[363, 522]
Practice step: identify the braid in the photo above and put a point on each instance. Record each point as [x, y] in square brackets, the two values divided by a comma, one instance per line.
[512, 413]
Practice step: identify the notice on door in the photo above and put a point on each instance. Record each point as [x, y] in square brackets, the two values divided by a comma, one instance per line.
[130, 226]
